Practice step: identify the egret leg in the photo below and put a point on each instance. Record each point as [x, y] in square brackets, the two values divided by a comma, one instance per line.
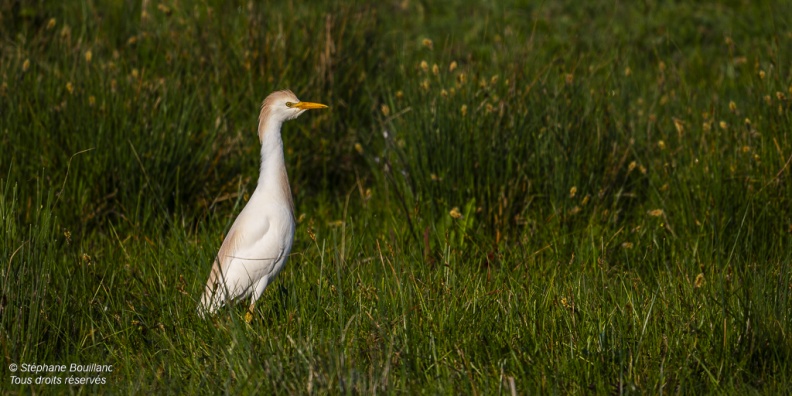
[257, 291]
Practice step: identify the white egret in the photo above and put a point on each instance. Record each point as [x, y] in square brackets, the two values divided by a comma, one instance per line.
[258, 243]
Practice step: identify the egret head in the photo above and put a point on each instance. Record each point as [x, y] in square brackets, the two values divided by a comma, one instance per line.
[284, 105]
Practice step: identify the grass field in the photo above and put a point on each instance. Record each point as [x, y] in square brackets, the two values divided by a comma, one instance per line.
[521, 197]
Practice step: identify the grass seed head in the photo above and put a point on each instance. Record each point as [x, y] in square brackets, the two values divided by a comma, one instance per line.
[427, 43]
[164, 9]
[699, 281]
[679, 125]
[461, 78]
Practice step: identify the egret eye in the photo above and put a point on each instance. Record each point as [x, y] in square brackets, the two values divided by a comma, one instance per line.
[289, 104]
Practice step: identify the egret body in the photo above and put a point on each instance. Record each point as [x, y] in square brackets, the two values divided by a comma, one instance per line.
[258, 243]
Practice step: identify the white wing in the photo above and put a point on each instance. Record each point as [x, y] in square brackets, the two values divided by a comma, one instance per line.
[254, 251]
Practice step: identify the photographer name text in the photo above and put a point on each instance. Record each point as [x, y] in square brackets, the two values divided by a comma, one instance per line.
[53, 374]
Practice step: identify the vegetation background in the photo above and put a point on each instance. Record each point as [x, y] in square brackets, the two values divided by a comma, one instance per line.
[505, 197]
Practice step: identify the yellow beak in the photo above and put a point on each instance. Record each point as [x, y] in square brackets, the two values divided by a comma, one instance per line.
[309, 105]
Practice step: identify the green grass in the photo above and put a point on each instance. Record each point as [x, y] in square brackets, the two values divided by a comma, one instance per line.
[622, 172]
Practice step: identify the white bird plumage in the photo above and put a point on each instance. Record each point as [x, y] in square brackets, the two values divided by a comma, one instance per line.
[258, 243]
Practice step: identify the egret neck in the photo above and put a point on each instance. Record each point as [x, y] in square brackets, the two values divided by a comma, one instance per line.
[273, 181]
